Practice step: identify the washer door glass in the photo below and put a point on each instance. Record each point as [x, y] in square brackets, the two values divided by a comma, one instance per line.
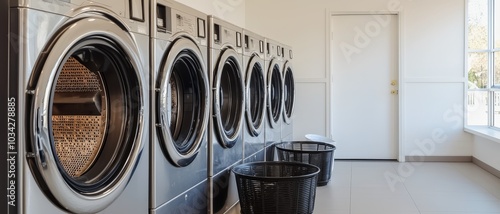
[228, 98]
[255, 96]
[289, 93]
[86, 117]
[274, 94]
[182, 109]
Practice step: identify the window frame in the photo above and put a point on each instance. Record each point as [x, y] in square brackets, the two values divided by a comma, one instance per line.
[491, 88]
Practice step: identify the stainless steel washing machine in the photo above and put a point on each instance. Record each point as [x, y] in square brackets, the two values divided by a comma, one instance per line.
[227, 108]
[79, 106]
[255, 94]
[180, 106]
[288, 94]
[274, 66]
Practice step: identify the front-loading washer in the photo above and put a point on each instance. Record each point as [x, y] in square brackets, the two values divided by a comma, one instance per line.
[79, 106]
[180, 106]
[255, 96]
[288, 94]
[274, 65]
[227, 108]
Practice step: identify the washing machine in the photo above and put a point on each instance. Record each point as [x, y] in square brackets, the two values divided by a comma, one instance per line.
[180, 106]
[288, 94]
[78, 106]
[255, 96]
[227, 108]
[274, 66]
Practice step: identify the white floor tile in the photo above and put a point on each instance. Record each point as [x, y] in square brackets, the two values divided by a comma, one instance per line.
[371, 212]
[340, 178]
[380, 192]
[457, 196]
[382, 205]
[458, 213]
[324, 211]
[372, 176]
[372, 187]
[332, 205]
[449, 205]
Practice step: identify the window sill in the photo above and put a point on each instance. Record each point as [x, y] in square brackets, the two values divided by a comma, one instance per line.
[485, 132]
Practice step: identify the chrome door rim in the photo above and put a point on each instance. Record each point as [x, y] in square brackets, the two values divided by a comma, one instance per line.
[45, 161]
[289, 92]
[255, 122]
[274, 87]
[184, 47]
[227, 138]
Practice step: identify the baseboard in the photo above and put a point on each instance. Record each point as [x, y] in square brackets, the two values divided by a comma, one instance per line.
[438, 158]
[486, 167]
[474, 160]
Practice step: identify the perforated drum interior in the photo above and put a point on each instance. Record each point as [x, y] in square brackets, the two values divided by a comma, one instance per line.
[79, 117]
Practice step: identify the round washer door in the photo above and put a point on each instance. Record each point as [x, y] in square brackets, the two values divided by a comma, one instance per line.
[288, 92]
[86, 97]
[182, 101]
[228, 98]
[274, 93]
[255, 95]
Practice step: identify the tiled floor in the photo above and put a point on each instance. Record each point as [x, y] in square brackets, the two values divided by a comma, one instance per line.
[384, 187]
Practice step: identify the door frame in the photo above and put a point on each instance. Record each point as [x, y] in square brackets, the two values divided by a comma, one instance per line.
[401, 92]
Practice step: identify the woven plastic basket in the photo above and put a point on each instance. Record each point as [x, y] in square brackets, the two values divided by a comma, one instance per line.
[319, 154]
[276, 187]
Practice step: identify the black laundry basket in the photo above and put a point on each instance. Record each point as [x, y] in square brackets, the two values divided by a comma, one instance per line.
[316, 153]
[276, 187]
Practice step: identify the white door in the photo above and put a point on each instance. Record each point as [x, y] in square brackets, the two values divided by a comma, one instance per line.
[364, 68]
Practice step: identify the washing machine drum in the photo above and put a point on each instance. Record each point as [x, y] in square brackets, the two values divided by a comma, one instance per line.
[274, 94]
[255, 96]
[228, 99]
[288, 93]
[86, 102]
[182, 107]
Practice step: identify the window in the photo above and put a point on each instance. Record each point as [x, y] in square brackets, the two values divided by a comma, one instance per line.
[483, 45]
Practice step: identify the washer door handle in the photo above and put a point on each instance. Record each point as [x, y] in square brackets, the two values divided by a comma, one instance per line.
[40, 152]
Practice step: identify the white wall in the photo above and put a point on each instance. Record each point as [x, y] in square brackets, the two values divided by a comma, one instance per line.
[434, 75]
[487, 151]
[232, 11]
[432, 61]
[432, 35]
